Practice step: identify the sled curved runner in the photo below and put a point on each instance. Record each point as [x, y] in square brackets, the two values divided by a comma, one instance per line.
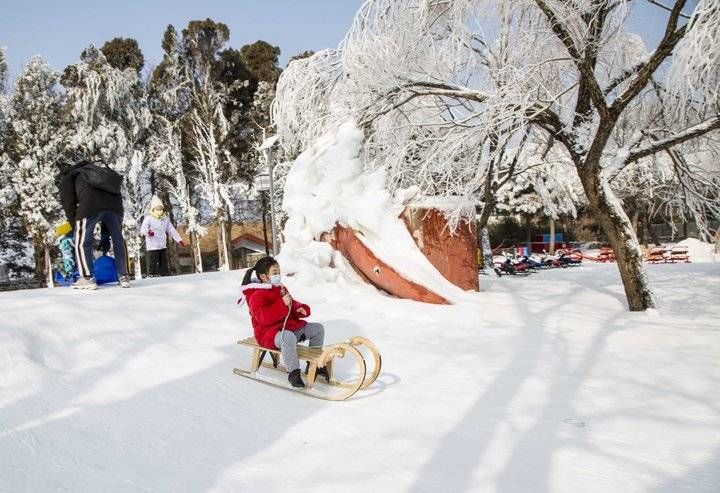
[316, 357]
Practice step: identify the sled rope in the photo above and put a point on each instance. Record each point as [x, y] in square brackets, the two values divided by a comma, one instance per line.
[284, 291]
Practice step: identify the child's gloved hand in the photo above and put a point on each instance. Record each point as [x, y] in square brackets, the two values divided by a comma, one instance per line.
[151, 233]
[287, 299]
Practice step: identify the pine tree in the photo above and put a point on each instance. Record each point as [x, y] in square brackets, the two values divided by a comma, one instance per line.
[124, 53]
[3, 70]
[208, 129]
[170, 98]
[240, 85]
[262, 59]
[15, 250]
[30, 157]
[108, 121]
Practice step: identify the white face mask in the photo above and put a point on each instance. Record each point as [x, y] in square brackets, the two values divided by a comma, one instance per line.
[275, 279]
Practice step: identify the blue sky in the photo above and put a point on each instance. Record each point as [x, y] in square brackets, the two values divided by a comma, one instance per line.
[60, 30]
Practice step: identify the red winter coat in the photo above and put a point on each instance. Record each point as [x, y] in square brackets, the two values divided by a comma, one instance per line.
[268, 311]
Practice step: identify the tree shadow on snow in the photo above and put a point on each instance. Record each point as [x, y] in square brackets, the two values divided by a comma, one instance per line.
[178, 435]
[454, 461]
[557, 425]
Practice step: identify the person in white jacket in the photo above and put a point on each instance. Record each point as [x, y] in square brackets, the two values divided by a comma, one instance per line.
[156, 226]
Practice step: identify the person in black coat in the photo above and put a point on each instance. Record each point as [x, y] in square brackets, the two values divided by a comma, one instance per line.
[91, 193]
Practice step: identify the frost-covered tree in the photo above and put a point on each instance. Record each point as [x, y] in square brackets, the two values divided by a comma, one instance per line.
[170, 98]
[3, 70]
[207, 126]
[442, 88]
[676, 184]
[239, 84]
[108, 121]
[30, 157]
[15, 248]
[540, 184]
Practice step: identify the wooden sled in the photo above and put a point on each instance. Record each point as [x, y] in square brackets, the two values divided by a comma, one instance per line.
[330, 388]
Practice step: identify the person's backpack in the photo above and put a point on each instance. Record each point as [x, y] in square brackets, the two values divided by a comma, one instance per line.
[102, 178]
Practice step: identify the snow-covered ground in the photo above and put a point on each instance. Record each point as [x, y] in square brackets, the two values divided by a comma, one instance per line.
[544, 383]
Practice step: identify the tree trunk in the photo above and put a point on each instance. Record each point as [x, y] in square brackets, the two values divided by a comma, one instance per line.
[223, 250]
[138, 264]
[528, 233]
[48, 267]
[195, 252]
[486, 249]
[228, 239]
[641, 232]
[263, 201]
[40, 261]
[617, 227]
[552, 236]
[635, 217]
[650, 230]
[147, 263]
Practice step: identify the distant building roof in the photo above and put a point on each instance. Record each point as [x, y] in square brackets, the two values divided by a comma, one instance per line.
[243, 235]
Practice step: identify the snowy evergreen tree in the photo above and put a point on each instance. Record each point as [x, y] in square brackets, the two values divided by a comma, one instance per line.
[30, 157]
[109, 119]
[16, 250]
[124, 53]
[3, 70]
[262, 59]
[207, 127]
[170, 97]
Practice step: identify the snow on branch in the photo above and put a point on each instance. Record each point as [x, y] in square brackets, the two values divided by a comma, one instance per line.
[445, 90]
[695, 71]
[654, 146]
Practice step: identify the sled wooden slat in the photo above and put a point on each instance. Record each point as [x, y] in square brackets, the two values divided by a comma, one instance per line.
[313, 355]
[305, 353]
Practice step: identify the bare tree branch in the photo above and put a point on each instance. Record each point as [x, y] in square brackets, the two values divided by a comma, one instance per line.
[584, 63]
[666, 8]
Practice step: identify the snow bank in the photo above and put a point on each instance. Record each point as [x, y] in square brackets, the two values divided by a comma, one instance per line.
[327, 185]
[699, 251]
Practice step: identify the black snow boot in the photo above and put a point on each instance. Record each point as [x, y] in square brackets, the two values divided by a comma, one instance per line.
[294, 379]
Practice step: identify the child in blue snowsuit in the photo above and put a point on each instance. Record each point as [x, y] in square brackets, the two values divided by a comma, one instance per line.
[67, 251]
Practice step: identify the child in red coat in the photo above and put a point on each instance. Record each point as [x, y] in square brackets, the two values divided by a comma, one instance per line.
[277, 318]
